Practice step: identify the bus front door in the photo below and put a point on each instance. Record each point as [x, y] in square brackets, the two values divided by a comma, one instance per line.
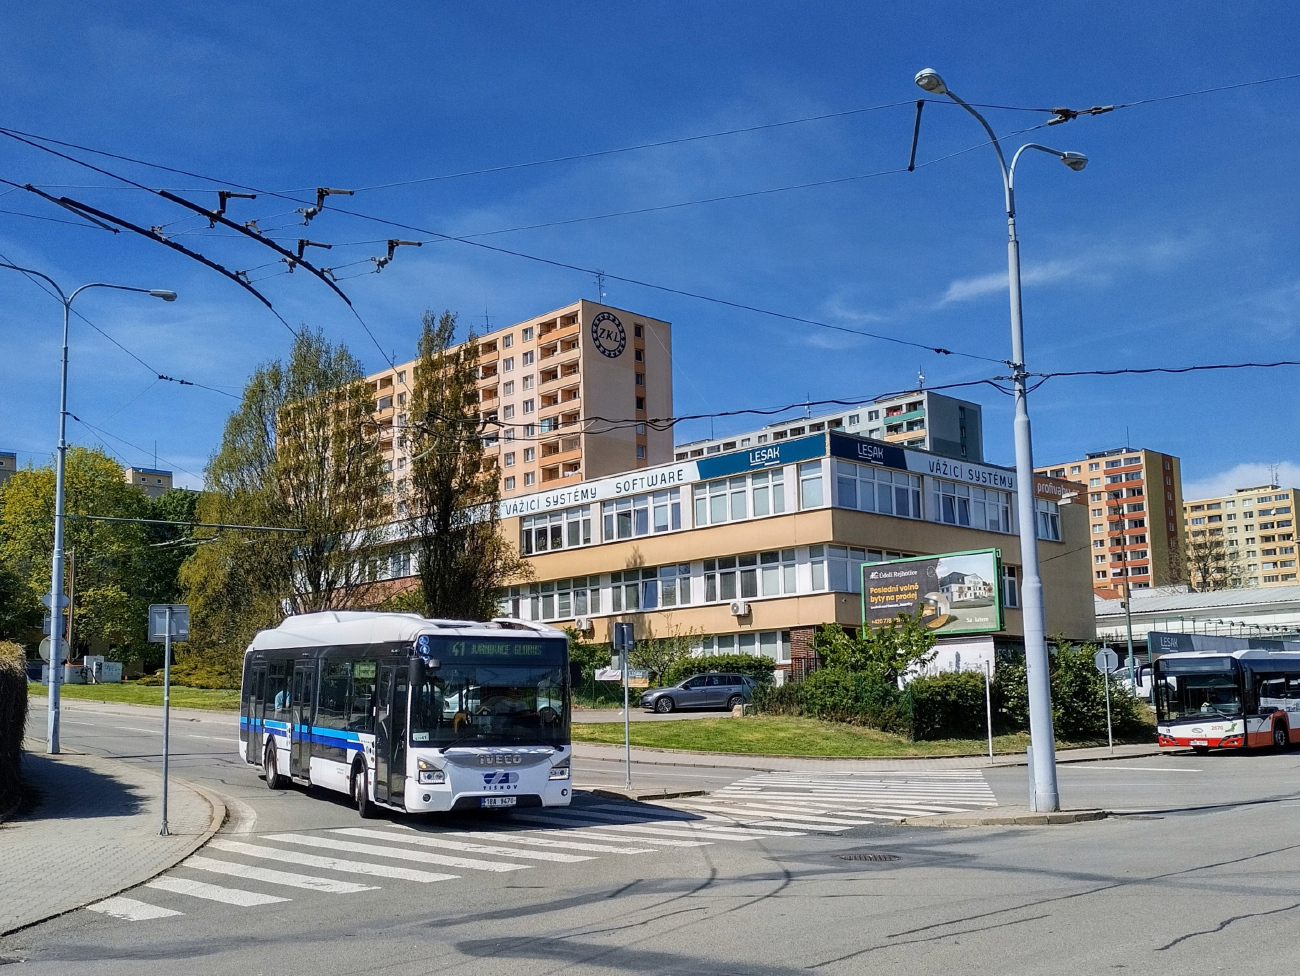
[254, 714]
[384, 729]
[304, 713]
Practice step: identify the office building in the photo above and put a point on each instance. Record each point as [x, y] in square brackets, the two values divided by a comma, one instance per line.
[752, 551]
[8, 465]
[151, 481]
[923, 420]
[541, 382]
[1257, 528]
[1134, 499]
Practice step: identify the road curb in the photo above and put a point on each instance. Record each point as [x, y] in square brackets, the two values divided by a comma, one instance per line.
[217, 818]
[614, 793]
[1005, 817]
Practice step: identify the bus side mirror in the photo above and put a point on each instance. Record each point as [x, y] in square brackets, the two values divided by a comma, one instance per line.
[415, 672]
[575, 674]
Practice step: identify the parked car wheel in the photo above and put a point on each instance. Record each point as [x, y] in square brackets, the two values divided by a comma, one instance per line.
[735, 700]
[664, 705]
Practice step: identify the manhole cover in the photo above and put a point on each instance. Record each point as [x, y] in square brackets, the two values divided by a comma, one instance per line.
[868, 857]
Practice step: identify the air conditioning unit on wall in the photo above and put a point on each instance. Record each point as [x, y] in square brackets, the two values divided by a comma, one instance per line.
[739, 608]
[582, 625]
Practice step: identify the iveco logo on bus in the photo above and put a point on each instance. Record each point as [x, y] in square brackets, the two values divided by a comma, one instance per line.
[501, 760]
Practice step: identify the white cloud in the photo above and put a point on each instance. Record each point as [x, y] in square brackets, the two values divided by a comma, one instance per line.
[964, 289]
[1243, 476]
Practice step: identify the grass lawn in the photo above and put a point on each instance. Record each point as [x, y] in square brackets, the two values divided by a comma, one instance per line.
[130, 693]
[789, 736]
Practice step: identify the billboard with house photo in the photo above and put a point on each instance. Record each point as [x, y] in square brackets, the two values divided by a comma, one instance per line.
[956, 593]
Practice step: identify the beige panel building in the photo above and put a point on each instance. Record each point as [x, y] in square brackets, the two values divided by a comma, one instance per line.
[1258, 524]
[751, 551]
[565, 397]
[8, 465]
[1134, 499]
[151, 481]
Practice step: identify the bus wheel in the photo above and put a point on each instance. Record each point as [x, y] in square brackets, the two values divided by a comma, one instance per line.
[1281, 737]
[270, 769]
[361, 795]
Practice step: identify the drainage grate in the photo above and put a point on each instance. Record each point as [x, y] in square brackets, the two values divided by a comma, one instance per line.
[868, 857]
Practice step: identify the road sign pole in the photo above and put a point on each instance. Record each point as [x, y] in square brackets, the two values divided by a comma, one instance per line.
[1109, 737]
[988, 703]
[627, 730]
[167, 689]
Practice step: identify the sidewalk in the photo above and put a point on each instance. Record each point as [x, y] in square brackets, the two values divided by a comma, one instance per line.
[90, 831]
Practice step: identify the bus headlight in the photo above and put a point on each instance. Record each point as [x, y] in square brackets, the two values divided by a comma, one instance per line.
[561, 771]
[427, 773]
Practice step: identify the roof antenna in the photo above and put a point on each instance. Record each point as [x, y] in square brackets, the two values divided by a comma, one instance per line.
[920, 379]
[600, 287]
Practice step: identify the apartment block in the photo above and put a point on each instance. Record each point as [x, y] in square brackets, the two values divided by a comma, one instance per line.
[8, 465]
[1258, 524]
[927, 421]
[1134, 499]
[152, 481]
[565, 397]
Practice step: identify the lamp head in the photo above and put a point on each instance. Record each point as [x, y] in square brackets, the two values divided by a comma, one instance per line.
[1076, 161]
[166, 294]
[930, 81]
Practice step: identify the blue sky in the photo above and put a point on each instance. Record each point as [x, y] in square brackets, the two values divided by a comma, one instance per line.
[1175, 246]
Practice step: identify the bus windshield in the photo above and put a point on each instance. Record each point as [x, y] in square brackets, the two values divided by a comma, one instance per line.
[490, 705]
[1201, 695]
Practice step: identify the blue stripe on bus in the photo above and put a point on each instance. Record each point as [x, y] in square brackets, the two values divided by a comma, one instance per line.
[335, 738]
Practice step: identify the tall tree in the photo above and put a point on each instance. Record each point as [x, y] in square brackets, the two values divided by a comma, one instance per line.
[1211, 564]
[454, 490]
[300, 452]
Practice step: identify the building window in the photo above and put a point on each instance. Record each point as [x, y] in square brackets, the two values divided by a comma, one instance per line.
[730, 578]
[978, 508]
[530, 453]
[399, 565]
[384, 403]
[528, 406]
[508, 388]
[508, 411]
[527, 358]
[510, 459]
[401, 399]
[640, 452]
[1074, 469]
[510, 483]
[774, 644]
[627, 518]
[777, 573]
[507, 341]
[640, 403]
[1094, 466]
[507, 364]
[566, 598]
[530, 478]
[871, 489]
[528, 383]
[555, 530]
[1049, 520]
[1094, 482]
[1011, 585]
[810, 485]
[739, 497]
[527, 335]
[638, 331]
[640, 379]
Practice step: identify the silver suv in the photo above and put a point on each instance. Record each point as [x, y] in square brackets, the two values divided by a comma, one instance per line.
[711, 690]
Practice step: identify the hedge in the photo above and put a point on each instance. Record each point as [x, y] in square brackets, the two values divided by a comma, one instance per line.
[855, 697]
[13, 722]
[758, 668]
[949, 705]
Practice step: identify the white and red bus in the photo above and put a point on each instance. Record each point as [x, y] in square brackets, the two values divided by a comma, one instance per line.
[1225, 692]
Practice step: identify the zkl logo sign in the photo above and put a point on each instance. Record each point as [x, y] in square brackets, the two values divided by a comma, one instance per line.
[607, 335]
[500, 778]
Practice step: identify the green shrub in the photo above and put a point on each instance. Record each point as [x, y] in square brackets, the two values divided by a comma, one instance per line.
[13, 721]
[756, 667]
[1010, 698]
[786, 699]
[856, 697]
[949, 705]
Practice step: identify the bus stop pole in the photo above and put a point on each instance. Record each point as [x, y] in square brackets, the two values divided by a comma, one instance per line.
[1109, 736]
[167, 687]
[988, 704]
[627, 726]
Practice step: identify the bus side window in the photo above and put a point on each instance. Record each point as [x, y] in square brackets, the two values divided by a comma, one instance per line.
[332, 707]
[277, 690]
[361, 697]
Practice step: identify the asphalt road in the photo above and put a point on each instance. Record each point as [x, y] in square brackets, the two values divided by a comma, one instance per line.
[1200, 874]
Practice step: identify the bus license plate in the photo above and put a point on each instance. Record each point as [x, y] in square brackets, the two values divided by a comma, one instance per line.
[498, 801]
[1195, 742]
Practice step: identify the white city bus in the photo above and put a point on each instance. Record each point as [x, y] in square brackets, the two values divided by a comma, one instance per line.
[412, 714]
[1226, 692]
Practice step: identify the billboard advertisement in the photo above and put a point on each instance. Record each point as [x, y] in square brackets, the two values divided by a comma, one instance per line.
[956, 592]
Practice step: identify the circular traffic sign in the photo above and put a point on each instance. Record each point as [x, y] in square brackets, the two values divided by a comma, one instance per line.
[44, 649]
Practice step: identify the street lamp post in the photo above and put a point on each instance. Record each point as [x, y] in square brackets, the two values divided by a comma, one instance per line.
[1046, 795]
[56, 573]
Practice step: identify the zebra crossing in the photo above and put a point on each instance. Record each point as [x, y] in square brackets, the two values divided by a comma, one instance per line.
[832, 802]
[243, 871]
[250, 871]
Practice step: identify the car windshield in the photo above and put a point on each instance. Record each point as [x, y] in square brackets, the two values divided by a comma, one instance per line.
[1188, 697]
[488, 705]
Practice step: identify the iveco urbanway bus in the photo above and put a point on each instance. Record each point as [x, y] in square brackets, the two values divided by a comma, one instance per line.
[411, 714]
[1225, 692]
